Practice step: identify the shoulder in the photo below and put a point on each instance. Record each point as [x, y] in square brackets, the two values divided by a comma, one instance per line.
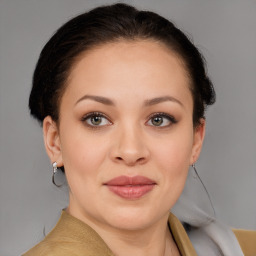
[247, 241]
[63, 248]
[57, 244]
[50, 248]
[70, 237]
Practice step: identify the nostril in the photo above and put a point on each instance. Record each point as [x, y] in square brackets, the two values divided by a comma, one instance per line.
[141, 160]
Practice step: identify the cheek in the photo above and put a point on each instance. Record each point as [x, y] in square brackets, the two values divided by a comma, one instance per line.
[82, 161]
[173, 159]
[82, 155]
[176, 151]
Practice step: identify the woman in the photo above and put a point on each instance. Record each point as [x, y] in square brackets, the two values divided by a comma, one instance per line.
[121, 95]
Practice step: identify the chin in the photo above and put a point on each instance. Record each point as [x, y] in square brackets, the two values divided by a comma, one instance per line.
[128, 218]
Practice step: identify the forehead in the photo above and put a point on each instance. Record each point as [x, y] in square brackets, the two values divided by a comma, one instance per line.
[140, 64]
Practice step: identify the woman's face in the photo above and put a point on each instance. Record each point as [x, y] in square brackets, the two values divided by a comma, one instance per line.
[126, 136]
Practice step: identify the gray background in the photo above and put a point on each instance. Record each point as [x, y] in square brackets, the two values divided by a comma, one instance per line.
[223, 30]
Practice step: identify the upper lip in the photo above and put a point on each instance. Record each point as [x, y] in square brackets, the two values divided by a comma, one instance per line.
[126, 181]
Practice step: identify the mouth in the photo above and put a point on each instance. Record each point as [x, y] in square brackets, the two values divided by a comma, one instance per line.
[130, 187]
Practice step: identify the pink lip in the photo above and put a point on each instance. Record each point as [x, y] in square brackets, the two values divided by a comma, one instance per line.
[130, 187]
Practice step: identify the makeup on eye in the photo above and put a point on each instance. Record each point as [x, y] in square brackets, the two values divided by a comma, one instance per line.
[161, 120]
[98, 119]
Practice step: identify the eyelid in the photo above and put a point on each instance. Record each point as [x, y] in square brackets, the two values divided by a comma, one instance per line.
[95, 113]
[171, 118]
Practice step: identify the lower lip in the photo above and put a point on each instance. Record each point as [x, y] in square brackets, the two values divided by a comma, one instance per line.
[131, 192]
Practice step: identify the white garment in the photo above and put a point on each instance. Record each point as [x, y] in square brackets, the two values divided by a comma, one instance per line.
[208, 236]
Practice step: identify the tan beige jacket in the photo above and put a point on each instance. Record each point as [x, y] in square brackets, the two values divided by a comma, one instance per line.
[72, 237]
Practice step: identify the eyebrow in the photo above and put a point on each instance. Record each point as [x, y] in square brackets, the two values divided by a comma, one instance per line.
[99, 99]
[109, 102]
[162, 99]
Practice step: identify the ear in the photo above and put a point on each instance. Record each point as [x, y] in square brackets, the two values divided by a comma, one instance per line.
[199, 133]
[52, 141]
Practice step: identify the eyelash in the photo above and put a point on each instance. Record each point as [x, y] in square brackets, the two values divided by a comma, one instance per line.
[86, 117]
[94, 114]
[170, 118]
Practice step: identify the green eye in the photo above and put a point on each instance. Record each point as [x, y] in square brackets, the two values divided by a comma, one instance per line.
[161, 120]
[96, 120]
[157, 120]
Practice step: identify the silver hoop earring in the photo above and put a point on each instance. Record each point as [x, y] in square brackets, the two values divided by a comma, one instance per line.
[54, 171]
[208, 195]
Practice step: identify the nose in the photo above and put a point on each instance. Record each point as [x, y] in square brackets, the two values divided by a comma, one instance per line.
[129, 147]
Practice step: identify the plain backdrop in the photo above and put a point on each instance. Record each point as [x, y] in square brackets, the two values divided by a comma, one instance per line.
[225, 33]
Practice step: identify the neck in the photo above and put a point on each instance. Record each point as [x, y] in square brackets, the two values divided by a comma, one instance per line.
[153, 240]
[150, 241]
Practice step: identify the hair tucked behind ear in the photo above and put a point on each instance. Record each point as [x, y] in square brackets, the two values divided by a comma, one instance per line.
[100, 26]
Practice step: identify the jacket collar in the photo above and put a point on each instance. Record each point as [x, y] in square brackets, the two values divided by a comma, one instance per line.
[97, 246]
[180, 237]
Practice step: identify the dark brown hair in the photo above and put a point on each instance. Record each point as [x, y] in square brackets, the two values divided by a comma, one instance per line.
[109, 24]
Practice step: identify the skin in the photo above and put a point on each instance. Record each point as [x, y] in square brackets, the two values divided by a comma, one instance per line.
[127, 142]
